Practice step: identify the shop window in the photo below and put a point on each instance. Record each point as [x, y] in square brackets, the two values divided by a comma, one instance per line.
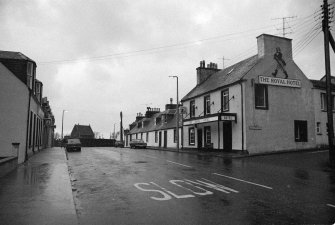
[300, 130]
[207, 135]
[191, 136]
[261, 96]
[207, 105]
[318, 128]
[192, 108]
[225, 100]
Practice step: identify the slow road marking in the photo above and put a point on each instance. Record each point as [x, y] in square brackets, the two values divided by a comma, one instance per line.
[248, 182]
[179, 164]
[193, 188]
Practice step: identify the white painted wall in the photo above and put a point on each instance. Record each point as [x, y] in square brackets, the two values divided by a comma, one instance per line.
[13, 114]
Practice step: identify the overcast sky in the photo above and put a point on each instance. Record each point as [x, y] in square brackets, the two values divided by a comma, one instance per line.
[97, 58]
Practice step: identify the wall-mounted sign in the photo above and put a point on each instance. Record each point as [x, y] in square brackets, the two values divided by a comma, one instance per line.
[279, 82]
[202, 120]
[228, 118]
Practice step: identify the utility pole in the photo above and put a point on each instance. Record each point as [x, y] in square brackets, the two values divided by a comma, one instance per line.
[330, 125]
[177, 122]
[284, 28]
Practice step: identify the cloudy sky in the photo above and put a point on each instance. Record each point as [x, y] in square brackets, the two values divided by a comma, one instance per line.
[99, 57]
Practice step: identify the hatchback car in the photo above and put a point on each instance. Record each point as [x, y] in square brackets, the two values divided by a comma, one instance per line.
[73, 144]
[137, 143]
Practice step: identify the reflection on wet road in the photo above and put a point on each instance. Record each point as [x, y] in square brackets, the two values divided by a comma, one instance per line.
[125, 186]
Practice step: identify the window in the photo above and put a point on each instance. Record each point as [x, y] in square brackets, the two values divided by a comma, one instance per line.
[191, 136]
[192, 108]
[141, 136]
[174, 136]
[225, 100]
[30, 72]
[207, 135]
[131, 137]
[261, 96]
[300, 130]
[323, 102]
[156, 137]
[147, 137]
[207, 105]
[136, 136]
[318, 128]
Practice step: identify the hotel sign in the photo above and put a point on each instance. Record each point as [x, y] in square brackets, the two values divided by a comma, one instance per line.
[203, 120]
[279, 82]
[228, 118]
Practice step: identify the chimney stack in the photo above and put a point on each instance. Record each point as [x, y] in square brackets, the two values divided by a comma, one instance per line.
[203, 73]
[268, 45]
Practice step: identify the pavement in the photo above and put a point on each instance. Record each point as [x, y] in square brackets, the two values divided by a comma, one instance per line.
[38, 191]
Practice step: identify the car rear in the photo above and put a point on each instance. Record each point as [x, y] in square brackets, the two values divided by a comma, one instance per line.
[73, 145]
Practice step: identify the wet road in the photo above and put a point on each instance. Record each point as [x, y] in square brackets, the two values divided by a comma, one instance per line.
[126, 186]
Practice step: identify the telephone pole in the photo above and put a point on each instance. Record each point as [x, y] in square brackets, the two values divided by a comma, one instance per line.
[330, 125]
[284, 28]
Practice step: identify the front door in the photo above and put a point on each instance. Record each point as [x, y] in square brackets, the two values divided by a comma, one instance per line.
[199, 138]
[165, 139]
[160, 139]
[227, 136]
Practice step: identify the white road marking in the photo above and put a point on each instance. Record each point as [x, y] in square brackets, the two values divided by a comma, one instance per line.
[243, 180]
[330, 205]
[179, 164]
[173, 194]
[153, 157]
[317, 152]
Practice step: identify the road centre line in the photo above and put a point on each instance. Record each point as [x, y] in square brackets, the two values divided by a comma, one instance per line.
[243, 180]
[330, 205]
[179, 164]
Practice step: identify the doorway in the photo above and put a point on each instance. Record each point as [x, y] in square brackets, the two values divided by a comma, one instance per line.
[199, 132]
[165, 139]
[160, 139]
[227, 136]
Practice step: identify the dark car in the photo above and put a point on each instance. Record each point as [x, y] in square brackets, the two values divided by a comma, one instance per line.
[137, 143]
[73, 144]
[119, 144]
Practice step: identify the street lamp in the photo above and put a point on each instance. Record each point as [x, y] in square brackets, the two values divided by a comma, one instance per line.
[177, 123]
[63, 122]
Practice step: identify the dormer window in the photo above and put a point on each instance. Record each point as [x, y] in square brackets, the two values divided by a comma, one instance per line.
[30, 74]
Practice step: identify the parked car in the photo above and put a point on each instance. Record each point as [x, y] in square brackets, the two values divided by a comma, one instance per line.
[119, 144]
[137, 143]
[73, 144]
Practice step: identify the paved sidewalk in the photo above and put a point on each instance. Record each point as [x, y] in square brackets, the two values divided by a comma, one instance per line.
[38, 191]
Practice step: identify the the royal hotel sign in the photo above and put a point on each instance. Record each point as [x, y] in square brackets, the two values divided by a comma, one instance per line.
[279, 82]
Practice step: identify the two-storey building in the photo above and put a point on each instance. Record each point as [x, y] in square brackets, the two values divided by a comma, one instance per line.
[263, 103]
[21, 112]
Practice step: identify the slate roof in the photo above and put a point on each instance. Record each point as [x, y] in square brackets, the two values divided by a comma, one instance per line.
[13, 55]
[149, 124]
[224, 77]
[321, 84]
[82, 130]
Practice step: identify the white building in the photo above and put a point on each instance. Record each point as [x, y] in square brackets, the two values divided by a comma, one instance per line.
[21, 113]
[261, 104]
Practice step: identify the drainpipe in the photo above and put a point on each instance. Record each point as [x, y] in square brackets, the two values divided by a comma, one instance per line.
[27, 133]
[242, 116]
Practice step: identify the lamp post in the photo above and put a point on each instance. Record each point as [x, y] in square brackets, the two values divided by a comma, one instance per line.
[63, 122]
[177, 123]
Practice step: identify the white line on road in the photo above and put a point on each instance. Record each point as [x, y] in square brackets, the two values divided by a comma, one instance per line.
[179, 164]
[330, 205]
[153, 157]
[318, 151]
[243, 180]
